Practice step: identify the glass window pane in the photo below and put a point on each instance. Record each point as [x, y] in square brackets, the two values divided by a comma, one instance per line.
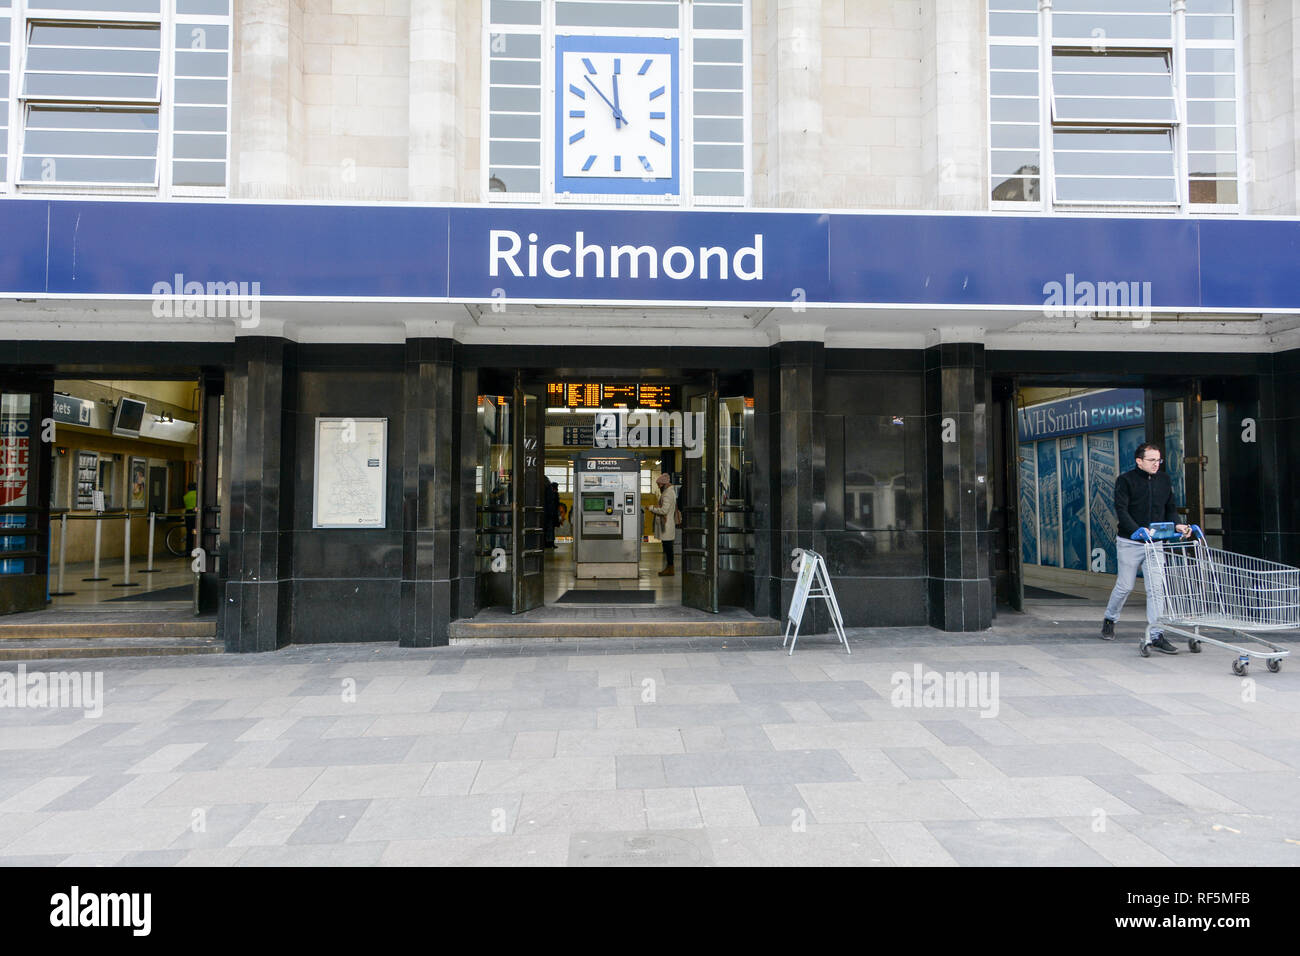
[57, 59]
[200, 118]
[1112, 84]
[91, 86]
[708, 50]
[612, 14]
[1223, 191]
[1077, 109]
[526, 46]
[729, 17]
[719, 77]
[1211, 87]
[112, 6]
[42, 117]
[1016, 189]
[514, 154]
[719, 157]
[719, 104]
[1006, 110]
[1008, 136]
[91, 143]
[199, 146]
[516, 72]
[201, 91]
[1211, 138]
[48, 34]
[1090, 63]
[1013, 24]
[516, 180]
[1084, 26]
[88, 170]
[715, 130]
[1212, 164]
[201, 63]
[1211, 113]
[515, 126]
[1209, 6]
[516, 11]
[198, 174]
[719, 184]
[1013, 57]
[208, 8]
[1069, 189]
[1111, 6]
[202, 36]
[1209, 28]
[518, 100]
[1015, 84]
[1209, 61]
[1008, 162]
[1112, 164]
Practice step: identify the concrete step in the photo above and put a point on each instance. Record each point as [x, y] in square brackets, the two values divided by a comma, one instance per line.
[40, 649]
[577, 628]
[97, 630]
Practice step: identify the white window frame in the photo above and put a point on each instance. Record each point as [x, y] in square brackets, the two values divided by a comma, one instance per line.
[686, 35]
[1177, 46]
[20, 17]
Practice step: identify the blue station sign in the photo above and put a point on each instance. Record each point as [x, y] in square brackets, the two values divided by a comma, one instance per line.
[1093, 412]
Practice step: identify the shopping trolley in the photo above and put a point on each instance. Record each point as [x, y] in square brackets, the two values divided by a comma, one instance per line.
[1197, 587]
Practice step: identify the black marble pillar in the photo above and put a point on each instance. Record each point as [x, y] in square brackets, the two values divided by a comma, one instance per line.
[1278, 437]
[956, 429]
[797, 440]
[255, 609]
[430, 481]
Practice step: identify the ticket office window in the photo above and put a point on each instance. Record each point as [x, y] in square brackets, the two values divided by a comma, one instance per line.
[110, 480]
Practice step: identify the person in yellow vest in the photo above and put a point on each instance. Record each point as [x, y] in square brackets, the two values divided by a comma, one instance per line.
[191, 500]
[665, 512]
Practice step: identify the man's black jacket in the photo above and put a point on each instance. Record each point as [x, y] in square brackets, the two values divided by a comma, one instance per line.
[1142, 499]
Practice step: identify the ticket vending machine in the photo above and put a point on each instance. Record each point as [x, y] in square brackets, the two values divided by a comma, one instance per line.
[607, 514]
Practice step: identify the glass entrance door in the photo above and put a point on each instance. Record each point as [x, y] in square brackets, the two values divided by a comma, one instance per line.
[700, 486]
[508, 489]
[24, 496]
[529, 539]
[1174, 421]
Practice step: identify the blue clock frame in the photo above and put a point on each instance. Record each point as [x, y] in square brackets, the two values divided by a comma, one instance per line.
[660, 185]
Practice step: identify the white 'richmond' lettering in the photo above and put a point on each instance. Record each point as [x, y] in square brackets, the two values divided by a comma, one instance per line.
[560, 260]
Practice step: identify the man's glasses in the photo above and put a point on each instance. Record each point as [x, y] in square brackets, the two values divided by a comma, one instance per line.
[1155, 461]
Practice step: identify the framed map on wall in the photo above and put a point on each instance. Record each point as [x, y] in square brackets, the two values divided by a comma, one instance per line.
[351, 465]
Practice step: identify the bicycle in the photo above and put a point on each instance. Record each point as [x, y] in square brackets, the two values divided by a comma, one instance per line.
[176, 538]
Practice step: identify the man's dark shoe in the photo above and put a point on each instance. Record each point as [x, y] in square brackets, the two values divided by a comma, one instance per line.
[1162, 644]
[1107, 629]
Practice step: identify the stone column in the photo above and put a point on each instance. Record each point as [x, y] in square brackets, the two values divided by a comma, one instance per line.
[430, 503]
[961, 597]
[254, 612]
[267, 130]
[795, 165]
[954, 104]
[433, 103]
[1272, 54]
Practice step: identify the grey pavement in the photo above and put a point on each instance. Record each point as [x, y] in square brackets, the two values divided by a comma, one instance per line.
[646, 752]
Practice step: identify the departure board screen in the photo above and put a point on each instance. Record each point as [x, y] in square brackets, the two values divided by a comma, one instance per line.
[656, 396]
[583, 395]
[613, 395]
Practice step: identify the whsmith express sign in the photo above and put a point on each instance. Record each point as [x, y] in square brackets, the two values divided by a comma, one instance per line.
[1093, 412]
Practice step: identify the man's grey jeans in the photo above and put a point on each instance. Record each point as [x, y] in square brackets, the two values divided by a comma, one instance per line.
[1130, 556]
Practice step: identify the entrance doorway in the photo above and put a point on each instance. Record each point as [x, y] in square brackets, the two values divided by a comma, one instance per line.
[529, 437]
[1059, 448]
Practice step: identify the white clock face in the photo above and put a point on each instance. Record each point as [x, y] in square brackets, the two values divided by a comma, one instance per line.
[617, 117]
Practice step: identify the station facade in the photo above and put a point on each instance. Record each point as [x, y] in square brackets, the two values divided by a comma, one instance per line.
[857, 243]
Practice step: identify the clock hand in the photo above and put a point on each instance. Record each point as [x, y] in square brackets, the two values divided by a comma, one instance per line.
[617, 113]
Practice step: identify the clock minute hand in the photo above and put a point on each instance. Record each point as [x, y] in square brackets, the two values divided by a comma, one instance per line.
[617, 114]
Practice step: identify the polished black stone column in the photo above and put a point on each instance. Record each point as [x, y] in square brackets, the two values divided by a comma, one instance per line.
[798, 468]
[1278, 437]
[957, 487]
[430, 503]
[255, 609]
